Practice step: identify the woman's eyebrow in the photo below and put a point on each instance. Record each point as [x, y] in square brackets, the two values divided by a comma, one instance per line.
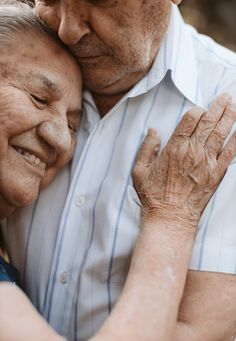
[41, 80]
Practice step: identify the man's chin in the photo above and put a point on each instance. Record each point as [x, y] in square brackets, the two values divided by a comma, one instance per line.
[106, 87]
[98, 79]
[102, 86]
[109, 84]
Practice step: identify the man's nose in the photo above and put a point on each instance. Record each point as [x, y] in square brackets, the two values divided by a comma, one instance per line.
[56, 134]
[74, 23]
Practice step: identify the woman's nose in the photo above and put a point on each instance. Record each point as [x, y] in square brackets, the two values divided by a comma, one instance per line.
[56, 133]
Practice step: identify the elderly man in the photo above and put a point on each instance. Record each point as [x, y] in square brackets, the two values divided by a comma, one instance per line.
[142, 67]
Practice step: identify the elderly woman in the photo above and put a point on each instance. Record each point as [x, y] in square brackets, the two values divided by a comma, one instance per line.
[40, 106]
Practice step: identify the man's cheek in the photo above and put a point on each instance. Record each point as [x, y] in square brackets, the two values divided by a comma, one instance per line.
[48, 15]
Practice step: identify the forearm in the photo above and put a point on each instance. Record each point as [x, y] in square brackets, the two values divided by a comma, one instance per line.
[206, 311]
[148, 306]
[19, 321]
[193, 331]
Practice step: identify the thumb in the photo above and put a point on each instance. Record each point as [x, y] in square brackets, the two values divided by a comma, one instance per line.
[147, 153]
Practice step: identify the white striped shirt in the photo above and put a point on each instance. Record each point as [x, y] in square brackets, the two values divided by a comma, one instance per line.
[73, 247]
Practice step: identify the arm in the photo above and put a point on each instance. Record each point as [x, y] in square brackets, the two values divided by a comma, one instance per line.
[148, 306]
[19, 321]
[208, 310]
[200, 317]
[135, 317]
[174, 187]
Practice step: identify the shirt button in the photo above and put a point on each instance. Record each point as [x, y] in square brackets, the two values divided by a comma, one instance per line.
[64, 277]
[80, 200]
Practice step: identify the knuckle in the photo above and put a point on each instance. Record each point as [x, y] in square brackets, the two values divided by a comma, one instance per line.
[176, 151]
[216, 139]
[137, 169]
[144, 147]
[135, 174]
[231, 111]
[189, 121]
[229, 152]
[194, 113]
[189, 117]
[220, 133]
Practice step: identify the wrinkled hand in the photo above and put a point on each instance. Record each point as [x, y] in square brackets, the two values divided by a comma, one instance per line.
[177, 183]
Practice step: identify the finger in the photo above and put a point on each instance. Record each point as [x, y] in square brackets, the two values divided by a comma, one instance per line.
[149, 148]
[211, 117]
[217, 137]
[227, 154]
[188, 123]
[147, 152]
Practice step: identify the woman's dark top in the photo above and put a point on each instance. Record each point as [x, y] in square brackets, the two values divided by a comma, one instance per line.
[8, 273]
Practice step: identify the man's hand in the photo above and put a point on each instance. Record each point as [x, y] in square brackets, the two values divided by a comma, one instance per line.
[178, 182]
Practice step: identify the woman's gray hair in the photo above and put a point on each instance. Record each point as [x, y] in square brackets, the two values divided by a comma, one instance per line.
[19, 17]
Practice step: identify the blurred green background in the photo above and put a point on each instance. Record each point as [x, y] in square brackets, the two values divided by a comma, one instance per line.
[216, 18]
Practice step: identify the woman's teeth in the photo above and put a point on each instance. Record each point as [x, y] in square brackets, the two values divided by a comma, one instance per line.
[31, 158]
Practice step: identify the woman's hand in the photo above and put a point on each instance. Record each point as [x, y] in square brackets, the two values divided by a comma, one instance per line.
[177, 183]
[174, 186]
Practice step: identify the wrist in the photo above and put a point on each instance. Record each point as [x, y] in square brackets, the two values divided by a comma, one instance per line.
[171, 217]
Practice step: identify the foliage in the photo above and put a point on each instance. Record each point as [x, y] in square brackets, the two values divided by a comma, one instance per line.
[216, 18]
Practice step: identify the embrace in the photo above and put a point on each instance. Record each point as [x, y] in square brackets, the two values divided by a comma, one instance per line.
[117, 174]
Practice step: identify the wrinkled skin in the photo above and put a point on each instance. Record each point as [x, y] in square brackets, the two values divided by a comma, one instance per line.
[178, 182]
[115, 42]
[154, 176]
[39, 116]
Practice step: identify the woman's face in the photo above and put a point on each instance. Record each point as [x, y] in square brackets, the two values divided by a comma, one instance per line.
[40, 107]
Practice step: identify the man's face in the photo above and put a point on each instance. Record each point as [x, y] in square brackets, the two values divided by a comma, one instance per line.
[115, 41]
[40, 101]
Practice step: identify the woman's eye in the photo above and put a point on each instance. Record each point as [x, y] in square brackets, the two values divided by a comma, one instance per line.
[105, 3]
[48, 2]
[71, 127]
[39, 100]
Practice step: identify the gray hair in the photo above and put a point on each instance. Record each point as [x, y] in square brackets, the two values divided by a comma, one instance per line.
[19, 17]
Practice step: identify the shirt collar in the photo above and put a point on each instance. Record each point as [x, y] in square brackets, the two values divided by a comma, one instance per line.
[176, 55]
